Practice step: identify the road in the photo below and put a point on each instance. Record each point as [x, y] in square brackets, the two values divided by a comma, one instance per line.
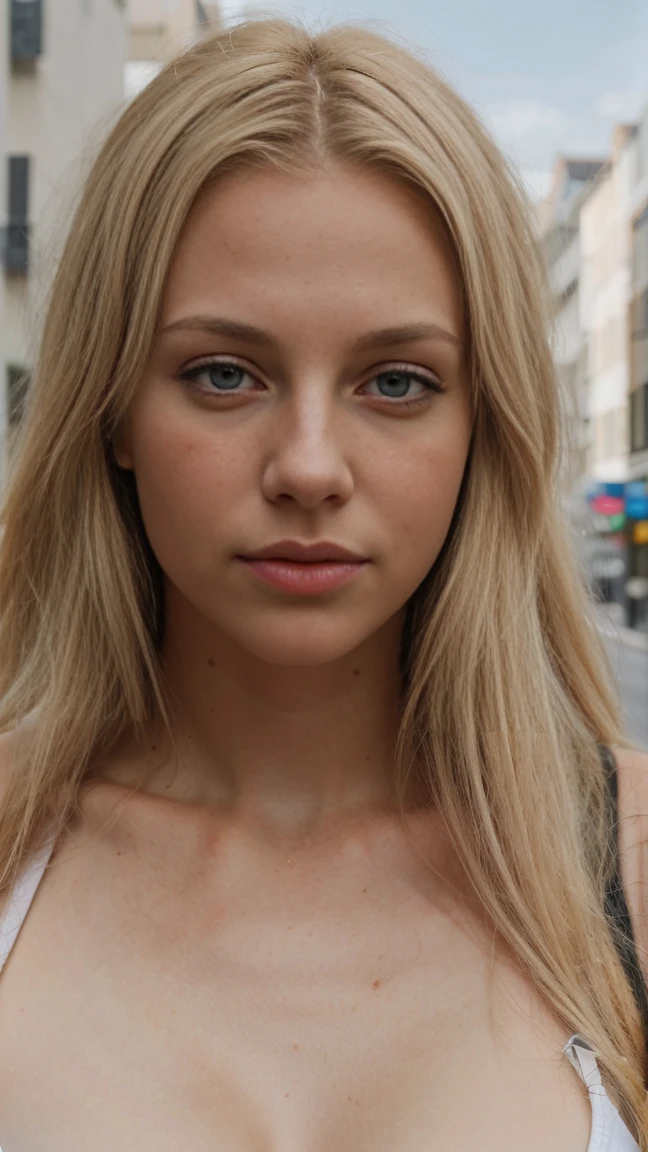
[631, 668]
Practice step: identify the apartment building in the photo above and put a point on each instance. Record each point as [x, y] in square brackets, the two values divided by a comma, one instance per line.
[639, 308]
[605, 297]
[605, 274]
[4, 81]
[637, 488]
[62, 74]
[559, 222]
[586, 239]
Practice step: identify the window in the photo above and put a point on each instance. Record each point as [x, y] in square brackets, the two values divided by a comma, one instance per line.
[640, 252]
[639, 419]
[18, 188]
[16, 247]
[26, 29]
[640, 315]
[17, 385]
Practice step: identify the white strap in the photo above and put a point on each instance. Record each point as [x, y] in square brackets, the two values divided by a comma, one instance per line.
[609, 1133]
[582, 1058]
[21, 898]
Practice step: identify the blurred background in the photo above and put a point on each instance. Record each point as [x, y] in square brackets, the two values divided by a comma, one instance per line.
[563, 85]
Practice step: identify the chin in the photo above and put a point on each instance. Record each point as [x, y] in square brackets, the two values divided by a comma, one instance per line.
[296, 644]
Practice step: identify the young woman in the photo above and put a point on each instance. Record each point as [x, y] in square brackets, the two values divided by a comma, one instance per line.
[306, 840]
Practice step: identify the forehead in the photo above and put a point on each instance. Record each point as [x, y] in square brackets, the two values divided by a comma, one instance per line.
[340, 235]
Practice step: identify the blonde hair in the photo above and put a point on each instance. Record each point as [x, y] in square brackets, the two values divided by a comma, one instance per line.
[506, 685]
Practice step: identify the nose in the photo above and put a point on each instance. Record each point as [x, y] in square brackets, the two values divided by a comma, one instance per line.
[306, 459]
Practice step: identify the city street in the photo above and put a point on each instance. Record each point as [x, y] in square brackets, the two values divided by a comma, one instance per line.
[631, 667]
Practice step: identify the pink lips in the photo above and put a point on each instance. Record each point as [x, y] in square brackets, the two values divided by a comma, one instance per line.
[305, 569]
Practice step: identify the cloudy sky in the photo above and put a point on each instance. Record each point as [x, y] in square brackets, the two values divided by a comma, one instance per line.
[550, 76]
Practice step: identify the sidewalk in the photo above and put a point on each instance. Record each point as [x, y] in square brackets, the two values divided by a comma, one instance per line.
[609, 626]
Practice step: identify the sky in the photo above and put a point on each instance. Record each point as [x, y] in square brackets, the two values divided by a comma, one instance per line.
[548, 77]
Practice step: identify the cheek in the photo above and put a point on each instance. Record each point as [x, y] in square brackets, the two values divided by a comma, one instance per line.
[418, 497]
[187, 481]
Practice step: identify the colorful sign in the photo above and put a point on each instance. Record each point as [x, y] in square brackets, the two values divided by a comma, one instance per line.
[607, 505]
[609, 501]
[637, 500]
[640, 532]
[606, 488]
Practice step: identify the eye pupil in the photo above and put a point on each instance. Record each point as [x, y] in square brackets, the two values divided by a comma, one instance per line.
[396, 383]
[225, 376]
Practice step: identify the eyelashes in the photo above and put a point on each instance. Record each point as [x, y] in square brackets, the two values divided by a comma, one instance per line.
[395, 376]
[229, 374]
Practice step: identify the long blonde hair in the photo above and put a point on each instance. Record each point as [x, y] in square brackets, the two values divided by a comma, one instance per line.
[506, 686]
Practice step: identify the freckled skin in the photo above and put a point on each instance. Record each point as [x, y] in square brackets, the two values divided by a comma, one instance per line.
[213, 935]
[316, 262]
[299, 709]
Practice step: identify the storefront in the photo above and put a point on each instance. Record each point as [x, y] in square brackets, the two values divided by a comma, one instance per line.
[636, 505]
[608, 548]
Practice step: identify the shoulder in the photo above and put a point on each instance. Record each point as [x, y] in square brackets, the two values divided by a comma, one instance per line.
[7, 758]
[632, 767]
[7, 763]
[632, 775]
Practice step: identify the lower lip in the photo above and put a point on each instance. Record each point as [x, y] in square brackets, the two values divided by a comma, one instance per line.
[305, 579]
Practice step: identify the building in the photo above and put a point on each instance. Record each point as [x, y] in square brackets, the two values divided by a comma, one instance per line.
[637, 489]
[586, 237]
[560, 232]
[607, 289]
[63, 74]
[605, 278]
[4, 87]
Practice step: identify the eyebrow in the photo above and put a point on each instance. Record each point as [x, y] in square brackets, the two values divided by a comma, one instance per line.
[399, 334]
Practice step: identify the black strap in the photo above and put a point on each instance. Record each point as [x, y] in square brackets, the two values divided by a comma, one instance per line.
[615, 901]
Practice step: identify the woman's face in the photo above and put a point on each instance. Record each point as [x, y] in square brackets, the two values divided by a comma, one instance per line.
[308, 382]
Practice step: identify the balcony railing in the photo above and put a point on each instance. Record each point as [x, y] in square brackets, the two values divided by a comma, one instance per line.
[14, 247]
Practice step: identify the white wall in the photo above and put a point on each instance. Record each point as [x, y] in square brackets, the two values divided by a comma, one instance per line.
[157, 31]
[605, 296]
[161, 28]
[60, 108]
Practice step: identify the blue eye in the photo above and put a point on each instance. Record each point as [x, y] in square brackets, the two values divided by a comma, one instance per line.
[225, 376]
[222, 376]
[395, 384]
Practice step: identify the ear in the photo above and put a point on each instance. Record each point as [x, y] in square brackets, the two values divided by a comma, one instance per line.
[121, 445]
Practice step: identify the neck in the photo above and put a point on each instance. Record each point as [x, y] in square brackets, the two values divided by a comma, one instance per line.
[283, 748]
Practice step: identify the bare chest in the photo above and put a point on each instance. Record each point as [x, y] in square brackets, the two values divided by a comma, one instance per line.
[148, 1011]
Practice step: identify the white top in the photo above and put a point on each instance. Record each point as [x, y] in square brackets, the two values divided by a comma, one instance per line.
[608, 1134]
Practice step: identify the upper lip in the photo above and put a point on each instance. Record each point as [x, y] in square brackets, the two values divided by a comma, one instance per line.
[295, 550]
